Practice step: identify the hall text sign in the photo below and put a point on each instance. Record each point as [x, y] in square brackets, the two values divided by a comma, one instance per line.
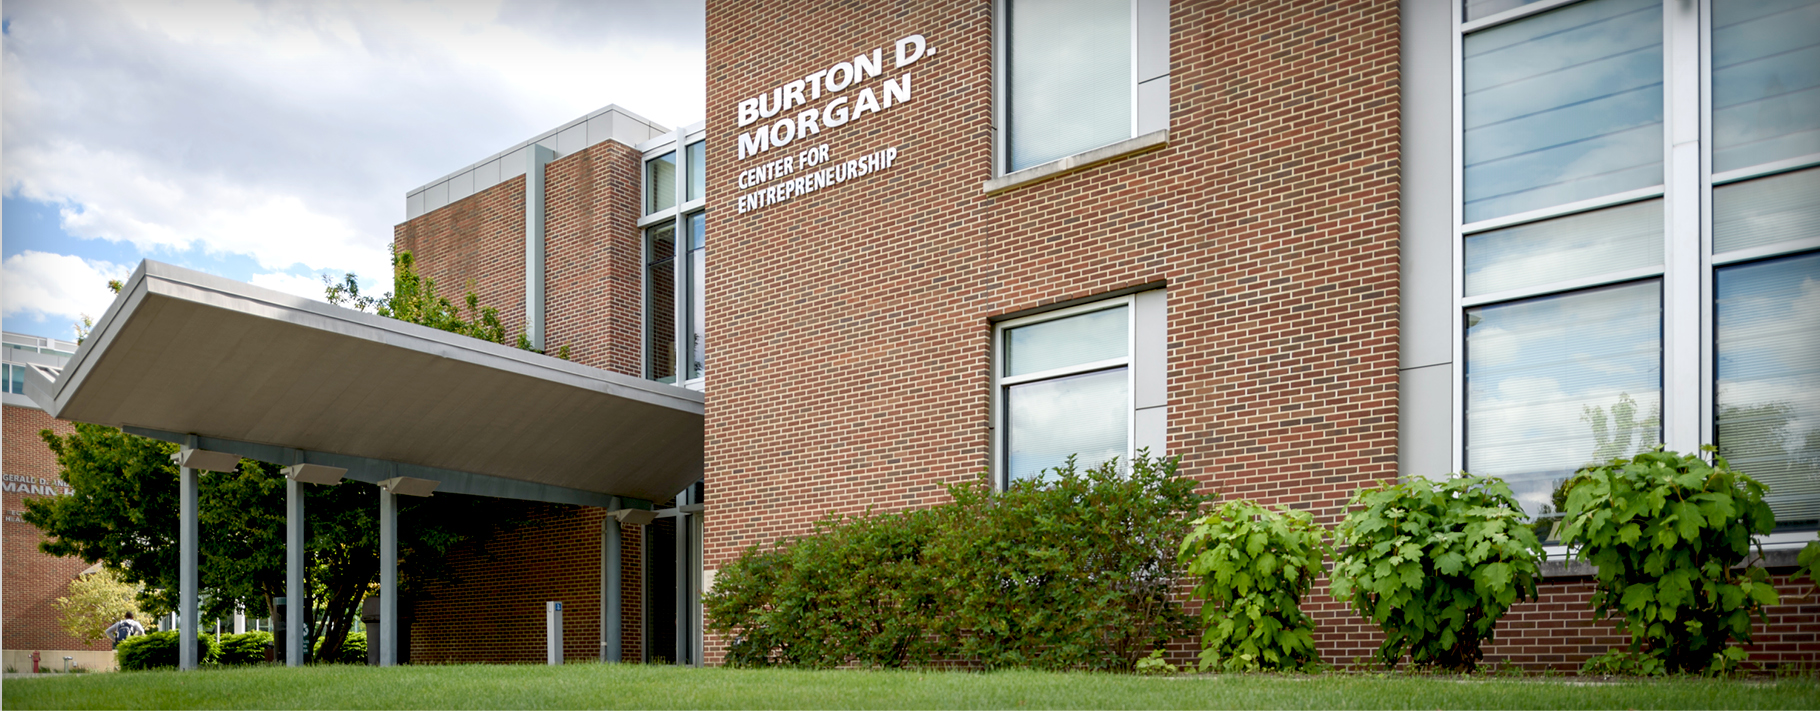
[823, 100]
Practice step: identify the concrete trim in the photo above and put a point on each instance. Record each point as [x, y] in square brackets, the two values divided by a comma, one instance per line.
[1772, 559]
[1079, 161]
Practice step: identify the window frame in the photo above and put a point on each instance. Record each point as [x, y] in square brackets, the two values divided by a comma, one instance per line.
[1001, 449]
[677, 142]
[1689, 267]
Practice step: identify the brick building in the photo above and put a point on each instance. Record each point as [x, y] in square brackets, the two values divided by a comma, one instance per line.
[1304, 247]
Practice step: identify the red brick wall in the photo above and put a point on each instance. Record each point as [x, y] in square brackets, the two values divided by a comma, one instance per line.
[859, 314]
[476, 243]
[33, 580]
[495, 610]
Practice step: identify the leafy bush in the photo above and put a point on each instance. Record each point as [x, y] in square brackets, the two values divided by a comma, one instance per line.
[1665, 531]
[1435, 564]
[1254, 566]
[1070, 572]
[244, 648]
[159, 649]
[1809, 560]
[1623, 662]
[353, 650]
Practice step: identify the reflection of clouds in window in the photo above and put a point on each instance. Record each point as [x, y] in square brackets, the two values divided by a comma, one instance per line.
[1069, 63]
[1563, 106]
[1583, 245]
[1557, 382]
[1766, 81]
[1768, 210]
[1767, 398]
[1075, 340]
[1085, 415]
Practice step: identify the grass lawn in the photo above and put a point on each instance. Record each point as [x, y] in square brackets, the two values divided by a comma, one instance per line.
[633, 686]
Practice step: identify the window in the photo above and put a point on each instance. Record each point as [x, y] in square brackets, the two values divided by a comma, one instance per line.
[660, 302]
[1076, 75]
[12, 378]
[1613, 295]
[675, 248]
[660, 183]
[697, 167]
[1086, 381]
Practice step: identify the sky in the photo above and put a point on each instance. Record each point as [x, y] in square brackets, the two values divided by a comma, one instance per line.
[273, 141]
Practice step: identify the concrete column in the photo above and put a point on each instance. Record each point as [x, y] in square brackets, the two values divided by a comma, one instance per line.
[536, 157]
[186, 569]
[294, 554]
[239, 619]
[682, 585]
[610, 625]
[388, 578]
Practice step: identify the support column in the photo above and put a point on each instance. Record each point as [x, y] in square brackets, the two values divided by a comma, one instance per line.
[536, 157]
[682, 584]
[239, 619]
[297, 601]
[610, 626]
[186, 568]
[388, 578]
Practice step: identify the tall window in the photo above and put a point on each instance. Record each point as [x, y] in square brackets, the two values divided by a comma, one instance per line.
[1614, 295]
[675, 249]
[1065, 388]
[660, 302]
[1069, 77]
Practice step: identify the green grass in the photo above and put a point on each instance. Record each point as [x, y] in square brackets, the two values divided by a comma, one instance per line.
[634, 686]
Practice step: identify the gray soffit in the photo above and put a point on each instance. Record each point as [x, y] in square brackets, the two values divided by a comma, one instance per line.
[182, 352]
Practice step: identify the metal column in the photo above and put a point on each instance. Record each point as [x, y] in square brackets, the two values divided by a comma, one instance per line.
[186, 567]
[610, 628]
[388, 578]
[296, 601]
[682, 581]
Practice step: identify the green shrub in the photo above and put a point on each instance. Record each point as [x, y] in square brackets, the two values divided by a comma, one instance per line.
[1435, 564]
[1071, 572]
[245, 648]
[353, 650]
[1666, 531]
[159, 649]
[1254, 565]
[1809, 560]
[1623, 662]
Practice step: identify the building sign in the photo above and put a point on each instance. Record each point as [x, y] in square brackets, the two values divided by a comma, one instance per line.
[824, 100]
[37, 486]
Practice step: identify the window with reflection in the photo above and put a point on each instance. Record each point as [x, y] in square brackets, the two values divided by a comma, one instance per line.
[698, 292]
[1766, 81]
[1767, 394]
[660, 302]
[660, 183]
[1069, 77]
[1065, 389]
[697, 165]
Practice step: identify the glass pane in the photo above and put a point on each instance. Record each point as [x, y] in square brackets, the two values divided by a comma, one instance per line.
[697, 155]
[698, 290]
[1070, 77]
[1766, 81]
[1768, 393]
[18, 378]
[660, 303]
[660, 183]
[1768, 210]
[1563, 106]
[1476, 9]
[1084, 415]
[1555, 383]
[1583, 245]
[1076, 340]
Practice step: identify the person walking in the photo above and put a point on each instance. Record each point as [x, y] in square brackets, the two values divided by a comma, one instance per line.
[123, 629]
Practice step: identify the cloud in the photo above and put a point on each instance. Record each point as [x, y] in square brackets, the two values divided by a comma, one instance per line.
[40, 285]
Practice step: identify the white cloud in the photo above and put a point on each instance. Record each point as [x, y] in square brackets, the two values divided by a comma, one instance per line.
[40, 285]
[305, 285]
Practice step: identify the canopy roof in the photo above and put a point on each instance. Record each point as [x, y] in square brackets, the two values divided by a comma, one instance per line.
[182, 352]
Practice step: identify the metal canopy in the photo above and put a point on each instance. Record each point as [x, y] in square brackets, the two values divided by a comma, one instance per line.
[253, 369]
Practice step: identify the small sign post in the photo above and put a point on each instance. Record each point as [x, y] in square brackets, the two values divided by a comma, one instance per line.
[553, 631]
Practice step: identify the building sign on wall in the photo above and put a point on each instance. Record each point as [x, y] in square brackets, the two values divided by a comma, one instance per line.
[824, 100]
[37, 486]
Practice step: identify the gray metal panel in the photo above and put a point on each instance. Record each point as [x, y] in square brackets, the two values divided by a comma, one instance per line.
[461, 186]
[436, 197]
[1150, 365]
[572, 139]
[486, 176]
[600, 128]
[1153, 105]
[1153, 40]
[1151, 431]
[512, 165]
[1427, 190]
[630, 130]
[413, 206]
[1425, 421]
[182, 351]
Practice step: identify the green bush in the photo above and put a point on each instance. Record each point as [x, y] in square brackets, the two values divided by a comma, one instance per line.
[353, 650]
[1254, 565]
[245, 648]
[1070, 572]
[1435, 564]
[1666, 531]
[159, 649]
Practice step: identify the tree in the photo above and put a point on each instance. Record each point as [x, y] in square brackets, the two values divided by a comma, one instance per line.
[96, 601]
[413, 298]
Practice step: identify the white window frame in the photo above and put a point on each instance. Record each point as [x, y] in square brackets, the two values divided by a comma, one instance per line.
[1689, 264]
[676, 142]
[1148, 17]
[1001, 449]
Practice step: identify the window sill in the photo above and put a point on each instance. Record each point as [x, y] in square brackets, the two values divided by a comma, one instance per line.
[1779, 551]
[1079, 161]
